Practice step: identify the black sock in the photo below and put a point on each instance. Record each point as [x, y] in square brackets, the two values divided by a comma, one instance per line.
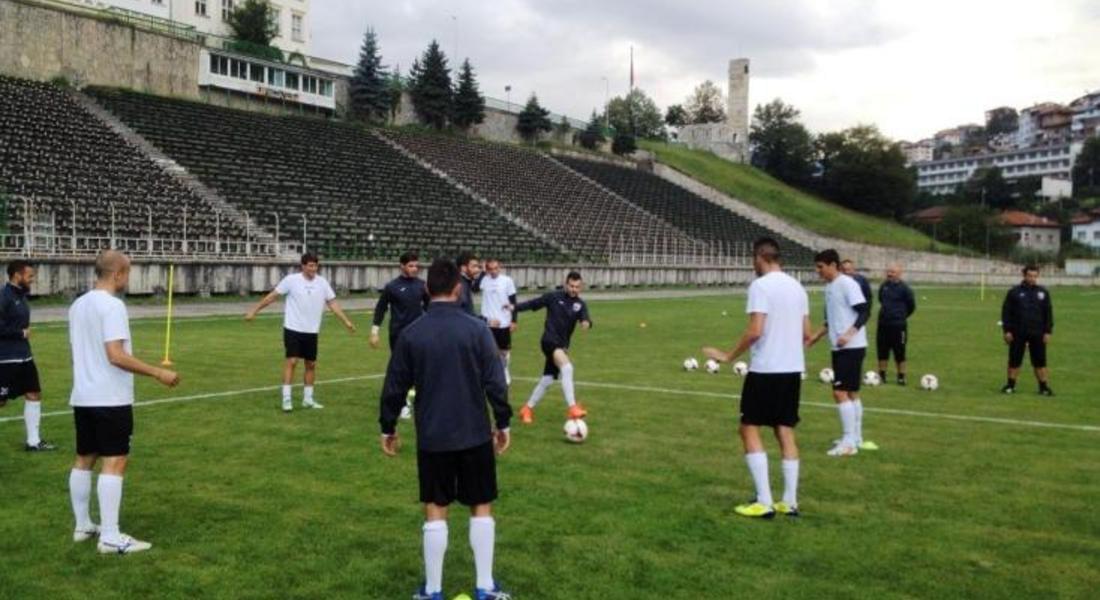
[882, 375]
[1043, 386]
[1011, 382]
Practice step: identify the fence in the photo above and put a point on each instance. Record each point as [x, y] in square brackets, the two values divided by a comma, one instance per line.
[624, 251]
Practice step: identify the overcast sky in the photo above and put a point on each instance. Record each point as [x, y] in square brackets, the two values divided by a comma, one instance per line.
[911, 68]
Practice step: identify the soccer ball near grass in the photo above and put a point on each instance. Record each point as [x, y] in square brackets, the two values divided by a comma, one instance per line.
[826, 375]
[690, 364]
[576, 430]
[712, 366]
[871, 378]
[740, 368]
[929, 382]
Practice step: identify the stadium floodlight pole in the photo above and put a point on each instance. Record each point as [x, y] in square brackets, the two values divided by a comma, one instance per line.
[508, 95]
[606, 102]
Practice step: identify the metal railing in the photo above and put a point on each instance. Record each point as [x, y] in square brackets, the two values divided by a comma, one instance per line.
[662, 251]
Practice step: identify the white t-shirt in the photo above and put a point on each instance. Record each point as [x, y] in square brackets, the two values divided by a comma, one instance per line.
[840, 296]
[784, 301]
[95, 319]
[494, 296]
[305, 301]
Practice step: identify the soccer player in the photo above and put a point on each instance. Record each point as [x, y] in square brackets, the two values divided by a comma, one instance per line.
[896, 305]
[497, 292]
[469, 265]
[18, 373]
[564, 309]
[1027, 318]
[408, 296]
[779, 327]
[846, 314]
[848, 267]
[102, 401]
[451, 359]
[307, 295]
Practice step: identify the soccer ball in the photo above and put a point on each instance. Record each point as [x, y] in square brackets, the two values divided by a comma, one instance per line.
[576, 430]
[803, 376]
[929, 382]
[871, 378]
[690, 364]
[740, 368]
[712, 366]
[826, 375]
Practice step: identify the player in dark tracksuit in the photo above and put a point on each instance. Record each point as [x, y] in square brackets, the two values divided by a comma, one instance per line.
[406, 297]
[896, 305]
[469, 265]
[18, 373]
[452, 360]
[564, 309]
[1027, 319]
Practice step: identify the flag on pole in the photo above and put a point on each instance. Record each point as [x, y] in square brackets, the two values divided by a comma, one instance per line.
[632, 68]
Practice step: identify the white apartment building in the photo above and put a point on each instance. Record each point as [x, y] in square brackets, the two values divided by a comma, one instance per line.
[943, 176]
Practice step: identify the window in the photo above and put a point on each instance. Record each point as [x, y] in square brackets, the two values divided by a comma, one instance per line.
[238, 69]
[276, 77]
[200, 8]
[256, 72]
[326, 88]
[227, 7]
[1081, 234]
[275, 20]
[309, 84]
[292, 80]
[1096, 235]
[219, 65]
[296, 28]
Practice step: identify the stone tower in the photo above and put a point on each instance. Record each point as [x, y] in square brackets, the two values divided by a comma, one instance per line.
[737, 113]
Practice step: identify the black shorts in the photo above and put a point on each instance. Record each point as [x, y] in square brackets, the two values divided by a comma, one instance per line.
[18, 379]
[300, 345]
[848, 369]
[771, 399]
[503, 337]
[103, 430]
[548, 350]
[891, 338]
[1035, 346]
[469, 476]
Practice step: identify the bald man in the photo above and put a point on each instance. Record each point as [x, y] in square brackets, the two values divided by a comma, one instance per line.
[896, 305]
[102, 399]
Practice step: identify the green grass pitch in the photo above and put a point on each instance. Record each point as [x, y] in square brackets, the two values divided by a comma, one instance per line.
[973, 494]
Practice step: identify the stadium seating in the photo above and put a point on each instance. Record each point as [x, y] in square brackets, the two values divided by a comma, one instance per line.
[541, 192]
[696, 216]
[59, 157]
[347, 192]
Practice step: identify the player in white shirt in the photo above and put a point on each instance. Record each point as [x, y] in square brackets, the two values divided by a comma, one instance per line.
[778, 329]
[102, 399]
[307, 295]
[846, 314]
[498, 293]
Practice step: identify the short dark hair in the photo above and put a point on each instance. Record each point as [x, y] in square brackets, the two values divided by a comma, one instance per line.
[310, 257]
[573, 276]
[828, 257]
[767, 249]
[442, 277]
[1031, 267]
[17, 266]
[490, 261]
[408, 257]
[465, 257]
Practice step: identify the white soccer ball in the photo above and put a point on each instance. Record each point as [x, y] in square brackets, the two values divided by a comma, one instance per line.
[826, 375]
[576, 430]
[713, 366]
[871, 378]
[929, 382]
[803, 376]
[690, 364]
[740, 368]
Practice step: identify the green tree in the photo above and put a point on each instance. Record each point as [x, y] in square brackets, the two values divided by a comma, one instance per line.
[253, 21]
[1086, 170]
[564, 127]
[865, 171]
[623, 144]
[988, 188]
[469, 103]
[637, 114]
[533, 120]
[975, 228]
[395, 88]
[1002, 120]
[592, 136]
[430, 88]
[781, 145]
[706, 104]
[676, 116]
[370, 98]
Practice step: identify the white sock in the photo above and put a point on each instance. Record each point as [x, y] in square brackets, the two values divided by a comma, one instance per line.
[435, 547]
[32, 416]
[80, 492]
[286, 392]
[307, 394]
[109, 488]
[540, 390]
[859, 421]
[482, 540]
[790, 481]
[567, 385]
[758, 467]
[847, 411]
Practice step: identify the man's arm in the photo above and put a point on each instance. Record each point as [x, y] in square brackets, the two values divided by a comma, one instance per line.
[334, 306]
[266, 301]
[515, 313]
[910, 302]
[117, 356]
[863, 313]
[1008, 320]
[1048, 315]
[533, 304]
[752, 333]
[586, 321]
[380, 309]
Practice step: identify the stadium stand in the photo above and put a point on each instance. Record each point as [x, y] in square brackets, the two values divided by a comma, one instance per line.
[530, 186]
[345, 191]
[55, 156]
[694, 215]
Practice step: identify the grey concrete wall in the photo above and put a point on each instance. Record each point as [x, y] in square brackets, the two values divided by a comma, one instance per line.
[499, 125]
[38, 42]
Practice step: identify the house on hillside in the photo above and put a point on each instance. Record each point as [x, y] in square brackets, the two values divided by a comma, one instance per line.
[1086, 228]
[1033, 232]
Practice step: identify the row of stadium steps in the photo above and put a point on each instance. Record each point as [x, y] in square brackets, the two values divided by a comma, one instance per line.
[346, 192]
[57, 159]
[695, 215]
[541, 192]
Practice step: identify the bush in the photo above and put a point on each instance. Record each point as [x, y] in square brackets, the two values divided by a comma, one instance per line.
[258, 50]
[623, 144]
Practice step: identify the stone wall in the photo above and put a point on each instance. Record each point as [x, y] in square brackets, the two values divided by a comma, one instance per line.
[719, 138]
[499, 125]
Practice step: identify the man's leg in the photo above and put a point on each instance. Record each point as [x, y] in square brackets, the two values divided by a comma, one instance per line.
[109, 491]
[1038, 351]
[1015, 359]
[32, 417]
[483, 543]
[789, 447]
[846, 410]
[757, 461]
[309, 378]
[80, 495]
[561, 359]
[288, 380]
[882, 349]
[435, 546]
[899, 354]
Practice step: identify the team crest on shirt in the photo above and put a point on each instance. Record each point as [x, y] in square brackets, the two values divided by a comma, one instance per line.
[576, 307]
[1042, 295]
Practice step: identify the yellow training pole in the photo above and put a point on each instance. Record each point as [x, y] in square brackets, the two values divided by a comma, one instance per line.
[167, 362]
[983, 287]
